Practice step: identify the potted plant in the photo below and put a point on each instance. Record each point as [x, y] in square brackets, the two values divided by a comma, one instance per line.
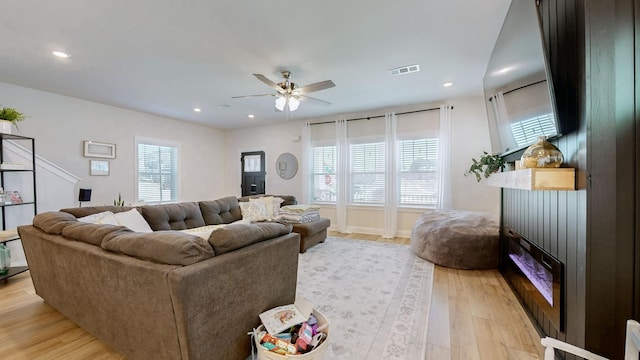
[9, 116]
[487, 165]
[119, 201]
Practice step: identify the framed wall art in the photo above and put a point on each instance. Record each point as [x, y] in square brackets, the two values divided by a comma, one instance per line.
[99, 149]
[99, 167]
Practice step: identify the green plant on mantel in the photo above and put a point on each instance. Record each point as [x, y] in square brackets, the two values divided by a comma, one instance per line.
[118, 201]
[11, 114]
[487, 165]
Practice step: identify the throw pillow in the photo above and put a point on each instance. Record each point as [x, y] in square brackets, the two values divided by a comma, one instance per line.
[254, 211]
[237, 236]
[53, 222]
[271, 204]
[105, 217]
[91, 233]
[133, 220]
[164, 247]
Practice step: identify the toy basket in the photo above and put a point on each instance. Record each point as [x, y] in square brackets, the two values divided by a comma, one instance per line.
[315, 354]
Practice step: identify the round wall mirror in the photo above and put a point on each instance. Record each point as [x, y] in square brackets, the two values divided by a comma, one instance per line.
[287, 166]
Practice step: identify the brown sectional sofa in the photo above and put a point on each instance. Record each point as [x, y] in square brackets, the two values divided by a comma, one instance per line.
[165, 294]
[311, 233]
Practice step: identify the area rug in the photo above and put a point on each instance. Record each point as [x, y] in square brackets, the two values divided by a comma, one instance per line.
[375, 295]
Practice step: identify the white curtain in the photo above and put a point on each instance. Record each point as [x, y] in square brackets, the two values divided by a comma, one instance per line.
[307, 154]
[342, 175]
[444, 158]
[502, 118]
[391, 177]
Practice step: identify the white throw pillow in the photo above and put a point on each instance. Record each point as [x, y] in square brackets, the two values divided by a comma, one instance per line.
[105, 217]
[253, 211]
[271, 204]
[133, 220]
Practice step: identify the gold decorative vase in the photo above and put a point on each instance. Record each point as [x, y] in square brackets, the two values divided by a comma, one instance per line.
[542, 154]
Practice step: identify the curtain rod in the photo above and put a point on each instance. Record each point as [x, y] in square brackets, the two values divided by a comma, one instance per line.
[519, 88]
[378, 116]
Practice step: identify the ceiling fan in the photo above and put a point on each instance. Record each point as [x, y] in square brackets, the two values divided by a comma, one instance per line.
[289, 95]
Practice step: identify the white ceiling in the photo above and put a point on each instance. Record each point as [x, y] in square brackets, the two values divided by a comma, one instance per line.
[166, 57]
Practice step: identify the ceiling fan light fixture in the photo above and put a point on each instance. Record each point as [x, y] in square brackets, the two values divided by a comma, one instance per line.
[293, 104]
[280, 102]
[289, 95]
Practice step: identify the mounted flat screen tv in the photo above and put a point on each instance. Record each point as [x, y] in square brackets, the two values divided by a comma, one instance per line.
[517, 87]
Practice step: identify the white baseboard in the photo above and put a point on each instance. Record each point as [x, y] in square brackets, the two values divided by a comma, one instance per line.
[373, 231]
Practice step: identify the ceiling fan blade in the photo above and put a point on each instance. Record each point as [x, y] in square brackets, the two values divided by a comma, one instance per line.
[315, 101]
[248, 96]
[269, 82]
[314, 87]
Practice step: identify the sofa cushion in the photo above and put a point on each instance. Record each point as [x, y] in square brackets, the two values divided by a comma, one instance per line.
[220, 211]
[236, 236]
[165, 247]
[53, 222]
[178, 216]
[313, 227]
[91, 233]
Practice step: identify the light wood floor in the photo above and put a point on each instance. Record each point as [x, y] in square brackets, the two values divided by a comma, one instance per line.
[474, 315]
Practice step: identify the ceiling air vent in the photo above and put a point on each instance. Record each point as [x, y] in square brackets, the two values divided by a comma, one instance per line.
[404, 70]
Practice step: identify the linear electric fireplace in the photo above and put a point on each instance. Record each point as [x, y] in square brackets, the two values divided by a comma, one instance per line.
[536, 276]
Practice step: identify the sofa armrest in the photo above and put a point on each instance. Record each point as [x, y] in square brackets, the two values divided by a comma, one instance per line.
[232, 289]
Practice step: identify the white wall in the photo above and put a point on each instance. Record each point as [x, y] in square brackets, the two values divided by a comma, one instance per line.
[470, 137]
[273, 140]
[60, 124]
[210, 158]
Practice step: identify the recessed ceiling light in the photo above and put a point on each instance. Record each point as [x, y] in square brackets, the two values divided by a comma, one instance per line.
[251, 116]
[447, 84]
[60, 54]
[197, 109]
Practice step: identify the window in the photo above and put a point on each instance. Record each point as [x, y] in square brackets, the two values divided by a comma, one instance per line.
[157, 172]
[527, 131]
[367, 172]
[324, 174]
[361, 175]
[418, 172]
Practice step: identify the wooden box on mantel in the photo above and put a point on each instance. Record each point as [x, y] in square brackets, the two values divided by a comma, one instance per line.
[535, 179]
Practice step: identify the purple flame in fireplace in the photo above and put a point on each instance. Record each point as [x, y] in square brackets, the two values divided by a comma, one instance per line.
[539, 276]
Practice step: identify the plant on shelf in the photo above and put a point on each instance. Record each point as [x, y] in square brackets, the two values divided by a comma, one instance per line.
[12, 115]
[118, 201]
[487, 165]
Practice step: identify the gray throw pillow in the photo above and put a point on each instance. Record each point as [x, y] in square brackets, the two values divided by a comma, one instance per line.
[165, 247]
[236, 236]
[92, 233]
[53, 222]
